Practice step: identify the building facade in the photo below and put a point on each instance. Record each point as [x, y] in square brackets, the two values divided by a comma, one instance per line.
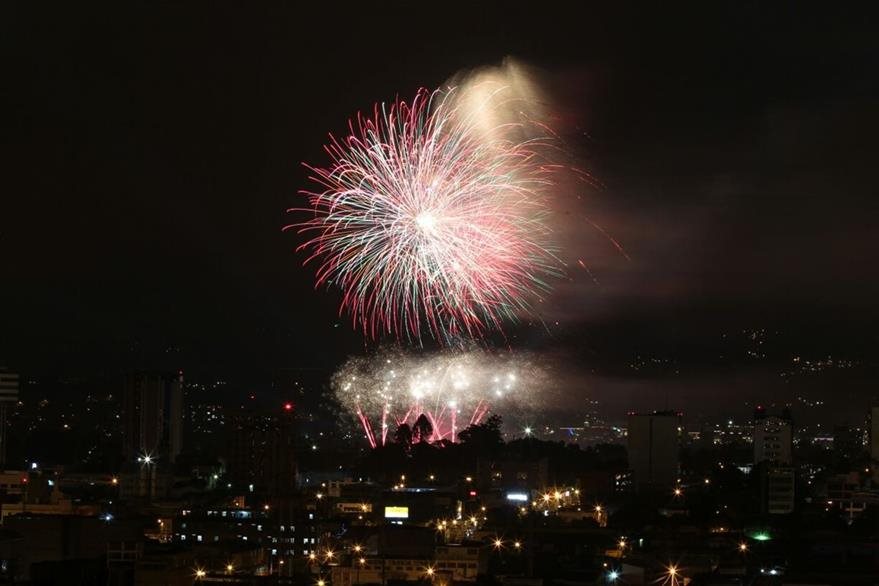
[9, 386]
[654, 446]
[152, 406]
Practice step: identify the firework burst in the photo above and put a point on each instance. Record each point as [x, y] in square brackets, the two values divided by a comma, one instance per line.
[451, 389]
[431, 218]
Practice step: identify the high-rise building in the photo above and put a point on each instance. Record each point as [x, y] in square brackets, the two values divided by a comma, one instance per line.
[773, 438]
[262, 453]
[654, 446]
[773, 446]
[779, 483]
[8, 399]
[152, 406]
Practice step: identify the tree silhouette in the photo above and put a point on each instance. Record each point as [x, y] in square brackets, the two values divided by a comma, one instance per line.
[403, 435]
[485, 438]
[422, 429]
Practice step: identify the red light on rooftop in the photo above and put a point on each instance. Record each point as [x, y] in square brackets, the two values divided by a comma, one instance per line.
[472, 493]
[288, 406]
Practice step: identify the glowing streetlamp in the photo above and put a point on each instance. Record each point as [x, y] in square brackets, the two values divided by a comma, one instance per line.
[200, 573]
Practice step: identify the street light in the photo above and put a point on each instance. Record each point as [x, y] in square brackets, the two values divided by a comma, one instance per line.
[612, 576]
[230, 568]
[200, 573]
[498, 543]
[357, 548]
[517, 544]
[147, 460]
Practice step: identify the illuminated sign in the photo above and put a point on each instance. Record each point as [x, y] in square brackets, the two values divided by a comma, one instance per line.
[519, 497]
[396, 512]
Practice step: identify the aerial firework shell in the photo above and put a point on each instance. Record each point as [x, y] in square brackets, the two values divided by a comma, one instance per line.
[432, 223]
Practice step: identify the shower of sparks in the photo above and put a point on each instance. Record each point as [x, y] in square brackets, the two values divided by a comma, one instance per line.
[453, 390]
[431, 217]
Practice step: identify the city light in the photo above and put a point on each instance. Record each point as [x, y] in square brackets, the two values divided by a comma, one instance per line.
[200, 573]
[357, 548]
[517, 544]
[230, 568]
[612, 576]
[498, 543]
[743, 547]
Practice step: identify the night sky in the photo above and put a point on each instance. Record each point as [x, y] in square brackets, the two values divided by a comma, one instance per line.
[152, 153]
